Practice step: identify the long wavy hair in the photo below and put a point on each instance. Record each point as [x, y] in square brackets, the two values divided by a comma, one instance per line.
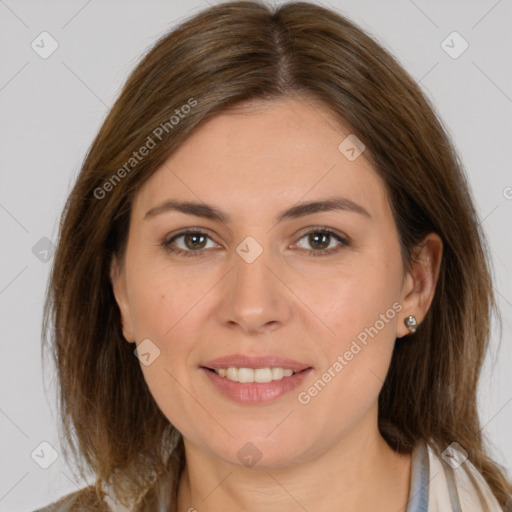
[222, 56]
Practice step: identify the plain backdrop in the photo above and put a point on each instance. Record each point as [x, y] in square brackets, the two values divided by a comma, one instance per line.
[51, 108]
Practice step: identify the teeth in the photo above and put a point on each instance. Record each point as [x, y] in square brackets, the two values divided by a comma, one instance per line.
[232, 374]
[261, 375]
[246, 375]
[277, 373]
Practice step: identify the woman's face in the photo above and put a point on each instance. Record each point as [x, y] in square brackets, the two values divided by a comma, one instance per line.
[257, 291]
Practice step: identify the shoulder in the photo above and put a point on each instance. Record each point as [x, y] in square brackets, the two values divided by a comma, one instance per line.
[459, 484]
[82, 500]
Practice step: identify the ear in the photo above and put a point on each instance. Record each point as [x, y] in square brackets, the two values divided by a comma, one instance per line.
[420, 282]
[118, 280]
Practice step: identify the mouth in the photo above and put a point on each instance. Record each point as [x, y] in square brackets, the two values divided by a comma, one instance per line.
[251, 375]
[254, 386]
[255, 379]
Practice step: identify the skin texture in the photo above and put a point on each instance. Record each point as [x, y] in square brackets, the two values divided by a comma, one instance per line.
[253, 163]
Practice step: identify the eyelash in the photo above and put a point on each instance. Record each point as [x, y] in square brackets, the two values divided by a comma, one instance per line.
[166, 244]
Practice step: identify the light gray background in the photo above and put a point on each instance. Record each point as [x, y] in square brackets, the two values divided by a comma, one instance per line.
[51, 109]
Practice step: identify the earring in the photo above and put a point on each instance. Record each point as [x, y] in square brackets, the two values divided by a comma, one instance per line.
[411, 323]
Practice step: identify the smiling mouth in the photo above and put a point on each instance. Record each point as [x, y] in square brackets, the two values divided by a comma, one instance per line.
[250, 375]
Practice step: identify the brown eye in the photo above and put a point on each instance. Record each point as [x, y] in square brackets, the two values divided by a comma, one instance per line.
[192, 245]
[321, 239]
[194, 240]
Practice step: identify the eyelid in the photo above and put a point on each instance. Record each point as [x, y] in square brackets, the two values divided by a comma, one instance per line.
[344, 240]
[301, 232]
[313, 228]
[166, 240]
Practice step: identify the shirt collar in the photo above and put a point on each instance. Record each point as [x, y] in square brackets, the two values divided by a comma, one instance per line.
[418, 489]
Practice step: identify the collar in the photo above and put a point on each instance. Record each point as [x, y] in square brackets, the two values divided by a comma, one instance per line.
[444, 484]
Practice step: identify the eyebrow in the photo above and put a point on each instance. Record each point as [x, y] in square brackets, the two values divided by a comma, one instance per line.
[300, 210]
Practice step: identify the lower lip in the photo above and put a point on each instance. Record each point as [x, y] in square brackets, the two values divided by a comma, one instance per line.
[256, 392]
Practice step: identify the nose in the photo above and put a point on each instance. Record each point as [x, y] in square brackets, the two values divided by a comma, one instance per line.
[254, 297]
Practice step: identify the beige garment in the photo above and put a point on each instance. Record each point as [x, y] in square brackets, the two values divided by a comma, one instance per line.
[450, 481]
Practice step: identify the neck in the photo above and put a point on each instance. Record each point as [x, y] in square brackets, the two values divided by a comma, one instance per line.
[359, 474]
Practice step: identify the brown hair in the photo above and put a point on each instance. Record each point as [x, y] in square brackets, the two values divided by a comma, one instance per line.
[222, 56]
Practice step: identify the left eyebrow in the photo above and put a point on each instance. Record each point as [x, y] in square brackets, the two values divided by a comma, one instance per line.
[301, 210]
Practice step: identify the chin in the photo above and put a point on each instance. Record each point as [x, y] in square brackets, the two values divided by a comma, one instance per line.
[261, 452]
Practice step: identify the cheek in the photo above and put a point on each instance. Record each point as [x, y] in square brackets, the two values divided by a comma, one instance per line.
[361, 302]
[363, 318]
[162, 300]
[164, 313]
[168, 309]
[362, 312]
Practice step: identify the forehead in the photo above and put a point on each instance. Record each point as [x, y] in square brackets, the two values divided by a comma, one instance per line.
[265, 156]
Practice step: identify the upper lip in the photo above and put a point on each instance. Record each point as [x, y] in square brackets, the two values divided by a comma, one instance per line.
[242, 361]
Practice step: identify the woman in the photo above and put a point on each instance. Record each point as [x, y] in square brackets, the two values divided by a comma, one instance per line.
[273, 220]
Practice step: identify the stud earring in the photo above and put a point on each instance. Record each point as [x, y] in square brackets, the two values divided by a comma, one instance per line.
[411, 323]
